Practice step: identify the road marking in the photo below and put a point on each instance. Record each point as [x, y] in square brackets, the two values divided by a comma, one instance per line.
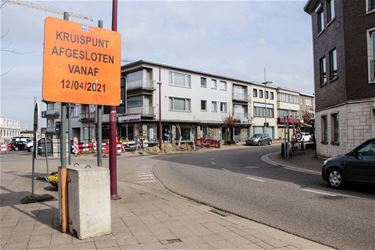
[266, 159]
[226, 170]
[255, 179]
[317, 192]
[251, 167]
[213, 163]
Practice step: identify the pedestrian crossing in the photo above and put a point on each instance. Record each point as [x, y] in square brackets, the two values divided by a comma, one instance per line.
[144, 174]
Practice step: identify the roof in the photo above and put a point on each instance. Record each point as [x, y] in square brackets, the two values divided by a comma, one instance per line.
[143, 62]
[310, 6]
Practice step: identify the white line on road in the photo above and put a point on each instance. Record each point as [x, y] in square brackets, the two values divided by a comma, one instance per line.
[255, 179]
[317, 192]
[251, 167]
[226, 170]
[213, 163]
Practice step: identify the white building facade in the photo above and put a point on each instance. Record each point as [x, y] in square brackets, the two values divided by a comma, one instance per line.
[9, 128]
[193, 105]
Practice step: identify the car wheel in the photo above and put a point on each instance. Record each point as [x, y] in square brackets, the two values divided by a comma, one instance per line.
[31, 149]
[259, 143]
[270, 142]
[335, 178]
[15, 148]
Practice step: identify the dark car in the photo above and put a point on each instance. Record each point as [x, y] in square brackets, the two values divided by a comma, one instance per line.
[259, 139]
[18, 145]
[356, 166]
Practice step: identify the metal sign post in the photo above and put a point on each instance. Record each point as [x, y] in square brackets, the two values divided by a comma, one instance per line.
[33, 197]
[99, 109]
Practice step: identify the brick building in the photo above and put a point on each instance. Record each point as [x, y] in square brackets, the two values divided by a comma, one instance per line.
[344, 54]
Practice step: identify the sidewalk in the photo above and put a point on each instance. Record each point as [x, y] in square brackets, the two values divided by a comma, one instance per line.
[147, 217]
[305, 160]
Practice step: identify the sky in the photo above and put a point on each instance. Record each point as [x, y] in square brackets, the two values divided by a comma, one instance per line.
[235, 39]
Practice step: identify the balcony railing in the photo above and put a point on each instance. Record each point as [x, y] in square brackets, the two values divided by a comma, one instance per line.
[243, 118]
[50, 113]
[139, 84]
[85, 117]
[240, 97]
[145, 110]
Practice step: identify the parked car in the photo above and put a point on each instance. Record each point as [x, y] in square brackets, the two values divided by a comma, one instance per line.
[18, 145]
[259, 139]
[355, 166]
[306, 137]
[30, 146]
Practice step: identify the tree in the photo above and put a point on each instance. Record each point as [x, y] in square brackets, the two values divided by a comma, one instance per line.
[230, 122]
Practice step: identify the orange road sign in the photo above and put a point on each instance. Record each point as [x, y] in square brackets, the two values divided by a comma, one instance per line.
[81, 64]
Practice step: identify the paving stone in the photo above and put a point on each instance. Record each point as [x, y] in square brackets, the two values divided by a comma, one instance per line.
[85, 245]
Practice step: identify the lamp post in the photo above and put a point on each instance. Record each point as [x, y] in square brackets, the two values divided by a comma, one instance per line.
[265, 105]
[160, 125]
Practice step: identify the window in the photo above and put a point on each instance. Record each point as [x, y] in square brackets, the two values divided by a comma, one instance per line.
[263, 110]
[214, 106]
[370, 5]
[330, 10]
[272, 97]
[333, 63]
[285, 112]
[213, 84]
[284, 97]
[255, 92]
[203, 82]
[368, 149]
[371, 55]
[260, 93]
[308, 102]
[266, 94]
[179, 79]
[223, 85]
[320, 19]
[223, 107]
[324, 130]
[203, 105]
[335, 129]
[323, 71]
[179, 104]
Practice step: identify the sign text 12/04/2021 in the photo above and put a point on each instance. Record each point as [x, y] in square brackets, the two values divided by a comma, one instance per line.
[86, 86]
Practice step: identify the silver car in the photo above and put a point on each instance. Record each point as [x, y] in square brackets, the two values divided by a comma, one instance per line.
[258, 140]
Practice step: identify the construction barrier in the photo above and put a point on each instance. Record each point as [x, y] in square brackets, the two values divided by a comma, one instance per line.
[203, 142]
[4, 147]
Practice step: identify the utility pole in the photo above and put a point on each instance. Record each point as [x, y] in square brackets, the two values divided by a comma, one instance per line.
[265, 100]
[160, 126]
[99, 109]
[112, 126]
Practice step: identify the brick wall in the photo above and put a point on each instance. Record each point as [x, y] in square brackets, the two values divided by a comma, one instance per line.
[356, 125]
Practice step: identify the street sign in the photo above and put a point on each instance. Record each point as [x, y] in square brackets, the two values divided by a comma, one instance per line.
[81, 64]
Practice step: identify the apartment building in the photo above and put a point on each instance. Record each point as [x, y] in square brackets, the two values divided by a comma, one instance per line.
[194, 104]
[8, 128]
[344, 56]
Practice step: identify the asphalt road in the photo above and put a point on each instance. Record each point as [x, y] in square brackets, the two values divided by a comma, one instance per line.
[238, 181]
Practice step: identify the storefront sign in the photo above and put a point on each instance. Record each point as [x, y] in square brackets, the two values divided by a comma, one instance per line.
[129, 118]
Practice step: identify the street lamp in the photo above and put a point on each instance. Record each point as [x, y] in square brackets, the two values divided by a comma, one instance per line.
[265, 105]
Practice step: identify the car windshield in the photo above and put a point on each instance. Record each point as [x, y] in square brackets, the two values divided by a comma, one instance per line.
[256, 136]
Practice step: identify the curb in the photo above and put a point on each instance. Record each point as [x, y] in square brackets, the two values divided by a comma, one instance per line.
[210, 205]
[265, 158]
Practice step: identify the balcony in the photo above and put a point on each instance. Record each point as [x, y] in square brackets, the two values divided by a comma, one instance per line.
[240, 97]
[139, 84]
[144, 111]
[51, 113]
[85, 117]
[242, 117]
